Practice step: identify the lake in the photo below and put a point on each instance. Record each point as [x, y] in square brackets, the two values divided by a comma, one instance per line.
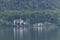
[19, 33]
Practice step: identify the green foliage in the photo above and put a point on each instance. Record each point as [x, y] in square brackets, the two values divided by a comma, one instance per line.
[29, 4]
[34, 16]
[32, 11]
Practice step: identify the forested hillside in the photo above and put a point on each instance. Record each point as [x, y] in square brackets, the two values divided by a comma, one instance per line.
[29, 4]
[32, 11]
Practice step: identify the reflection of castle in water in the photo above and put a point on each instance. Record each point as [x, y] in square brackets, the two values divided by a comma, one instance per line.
[37, 29]
[19, 33]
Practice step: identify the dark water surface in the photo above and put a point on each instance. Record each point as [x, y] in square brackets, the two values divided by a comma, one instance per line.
[19, 33]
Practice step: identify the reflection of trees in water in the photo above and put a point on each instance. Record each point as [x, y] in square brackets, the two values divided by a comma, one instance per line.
[45, 26]
[49, 26]
[35, 33]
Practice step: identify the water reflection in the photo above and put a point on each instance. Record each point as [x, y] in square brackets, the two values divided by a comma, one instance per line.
[6, 34]
[38, 29]
[35, 33]
[19, 33]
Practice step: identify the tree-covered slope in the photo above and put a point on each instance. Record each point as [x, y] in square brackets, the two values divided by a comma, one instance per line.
[29, 4]
[29, 10]
[35, 16]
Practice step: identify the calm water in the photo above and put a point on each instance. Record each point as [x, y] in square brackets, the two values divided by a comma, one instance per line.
[19, 33]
